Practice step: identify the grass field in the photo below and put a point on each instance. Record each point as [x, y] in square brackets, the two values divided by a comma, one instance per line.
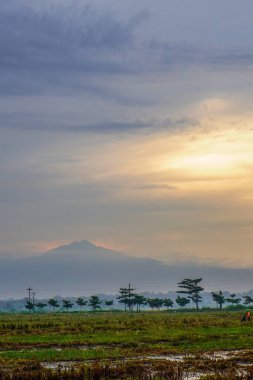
[123, 345]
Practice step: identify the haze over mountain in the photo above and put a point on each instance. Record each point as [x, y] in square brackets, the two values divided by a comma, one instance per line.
[82, 268]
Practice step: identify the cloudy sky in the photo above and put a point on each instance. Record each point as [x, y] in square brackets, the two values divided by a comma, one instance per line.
[128, 124]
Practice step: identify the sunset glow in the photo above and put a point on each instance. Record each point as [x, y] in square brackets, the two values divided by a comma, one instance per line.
[128, 124]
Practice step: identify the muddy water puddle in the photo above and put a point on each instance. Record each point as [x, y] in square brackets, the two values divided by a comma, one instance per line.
[189, 374]
[174, 358]
[68, 365]
[215, 355]
[60, 364]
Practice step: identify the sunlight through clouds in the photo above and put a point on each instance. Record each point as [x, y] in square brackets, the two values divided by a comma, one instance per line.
[214, 157]
[120, 122]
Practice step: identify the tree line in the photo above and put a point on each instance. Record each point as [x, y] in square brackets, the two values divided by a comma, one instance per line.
[190, 291]
[94, 302]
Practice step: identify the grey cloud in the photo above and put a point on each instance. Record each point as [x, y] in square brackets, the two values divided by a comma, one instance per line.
[138, 125]
[111, 127]
[178, 124]
[26, 121]
[59, 31]
[108, 127]
[72, 46]
[154, 186]
[233, 58]
[171, 55]
[39, 48]
[49, 123]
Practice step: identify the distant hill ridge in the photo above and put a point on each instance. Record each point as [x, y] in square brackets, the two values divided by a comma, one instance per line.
[85, 248]
[84, 268]
[78, 246]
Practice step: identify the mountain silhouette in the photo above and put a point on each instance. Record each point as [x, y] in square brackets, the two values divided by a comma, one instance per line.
[82, 268]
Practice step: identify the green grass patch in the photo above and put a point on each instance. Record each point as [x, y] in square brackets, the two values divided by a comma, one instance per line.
[35, 337]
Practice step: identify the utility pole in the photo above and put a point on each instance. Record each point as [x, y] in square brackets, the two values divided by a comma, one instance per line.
[29, 293]
[29, 296]
[130, 294]
[33, 300]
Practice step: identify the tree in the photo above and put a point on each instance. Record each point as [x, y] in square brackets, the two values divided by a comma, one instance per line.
[109, 303]
[122, 298]
[94, 303]
[167, 302]
[80, 302]
[233, 300]
[219, 298]
[53, 303]
[40, 305]
[247, 300]
[182, 301]
[155, 303]
[192, 289]
[126, 296]
[67, 304]
[29, 306]
[139, 300]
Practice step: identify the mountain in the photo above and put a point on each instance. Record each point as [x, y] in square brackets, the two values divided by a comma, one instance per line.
[82, 268]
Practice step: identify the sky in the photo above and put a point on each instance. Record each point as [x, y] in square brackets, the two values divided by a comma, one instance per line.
[128, 124]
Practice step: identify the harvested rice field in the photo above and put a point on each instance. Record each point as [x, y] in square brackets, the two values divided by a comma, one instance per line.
[115, 345]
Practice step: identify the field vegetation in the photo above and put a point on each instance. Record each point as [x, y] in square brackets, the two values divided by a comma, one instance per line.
[124, 345]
